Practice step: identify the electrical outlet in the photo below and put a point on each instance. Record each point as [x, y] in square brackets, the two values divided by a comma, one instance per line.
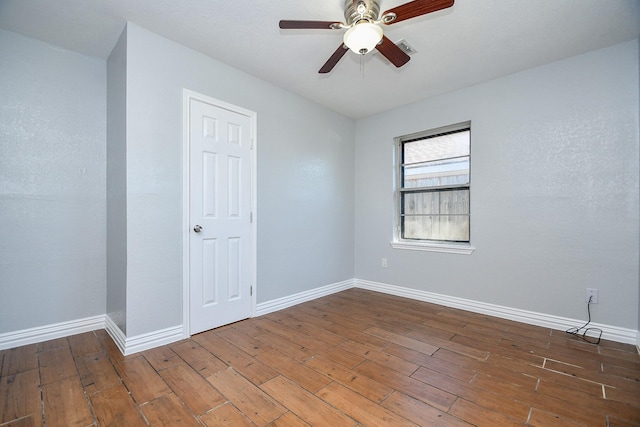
[384, 263]
[591, 296]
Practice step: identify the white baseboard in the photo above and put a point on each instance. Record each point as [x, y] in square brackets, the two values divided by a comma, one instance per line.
[285, 302]
[166, 336]
[153, 339]
[613, 333]
[115, 333]
[50, 332]
[142, 342]
[130, 345]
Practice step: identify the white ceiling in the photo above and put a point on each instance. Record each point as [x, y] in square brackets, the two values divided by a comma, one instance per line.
[474, 41]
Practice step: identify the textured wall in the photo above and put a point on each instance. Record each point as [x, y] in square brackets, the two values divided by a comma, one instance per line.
[305, 180]
[554, 190]
[554, 181]
[52, 184]
[117, 184]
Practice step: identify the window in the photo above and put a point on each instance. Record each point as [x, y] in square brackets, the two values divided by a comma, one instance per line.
[433, 187]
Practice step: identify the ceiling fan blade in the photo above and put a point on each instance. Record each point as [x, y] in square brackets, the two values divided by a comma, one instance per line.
[334, 59]
[417, 8]
[392, 52]
[309, 25]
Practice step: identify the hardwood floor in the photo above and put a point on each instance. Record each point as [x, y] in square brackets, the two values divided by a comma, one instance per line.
[356, 358]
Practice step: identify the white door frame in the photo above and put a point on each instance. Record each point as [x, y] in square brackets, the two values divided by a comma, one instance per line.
[187, 96]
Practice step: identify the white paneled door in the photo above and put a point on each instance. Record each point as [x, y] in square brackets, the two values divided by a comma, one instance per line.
[220, 235]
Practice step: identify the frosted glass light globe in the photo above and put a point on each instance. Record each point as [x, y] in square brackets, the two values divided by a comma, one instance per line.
[363, 37]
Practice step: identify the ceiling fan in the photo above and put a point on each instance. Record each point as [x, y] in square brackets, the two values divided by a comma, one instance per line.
[364, 32]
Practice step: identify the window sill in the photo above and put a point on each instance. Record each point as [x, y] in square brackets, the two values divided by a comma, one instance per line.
[434, 247]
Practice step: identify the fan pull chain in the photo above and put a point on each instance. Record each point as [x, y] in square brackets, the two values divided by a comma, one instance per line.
[362, 65]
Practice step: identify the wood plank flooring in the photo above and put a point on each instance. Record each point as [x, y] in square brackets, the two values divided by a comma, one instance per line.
[356, 358]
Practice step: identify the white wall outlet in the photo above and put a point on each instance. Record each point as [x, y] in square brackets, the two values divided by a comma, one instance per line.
[591, 296]
[383, 263]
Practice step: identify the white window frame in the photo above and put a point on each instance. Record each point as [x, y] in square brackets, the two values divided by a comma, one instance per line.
[422, 245]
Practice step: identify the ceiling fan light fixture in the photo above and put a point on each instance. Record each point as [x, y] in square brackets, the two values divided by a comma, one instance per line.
[363, 37]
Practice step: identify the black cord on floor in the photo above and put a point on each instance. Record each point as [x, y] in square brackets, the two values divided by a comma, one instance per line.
[576, 331]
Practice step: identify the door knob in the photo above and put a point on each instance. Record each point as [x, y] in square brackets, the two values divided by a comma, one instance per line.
[197, 228]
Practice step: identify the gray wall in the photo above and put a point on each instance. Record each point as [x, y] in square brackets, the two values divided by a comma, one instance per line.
[554, 186]
[52, 180]
[54, 215]
[554, 190]
[305, 180]
[117, 184]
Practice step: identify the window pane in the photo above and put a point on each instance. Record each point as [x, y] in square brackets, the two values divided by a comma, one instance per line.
[437, 148]
[437, 173]
[434, 184]
[421, 203]
[436, 215]
[454, 202]
[426, 227]
[436, 202]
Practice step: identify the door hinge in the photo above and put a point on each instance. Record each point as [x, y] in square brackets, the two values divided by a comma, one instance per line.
[251, 217]
[250, 290]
